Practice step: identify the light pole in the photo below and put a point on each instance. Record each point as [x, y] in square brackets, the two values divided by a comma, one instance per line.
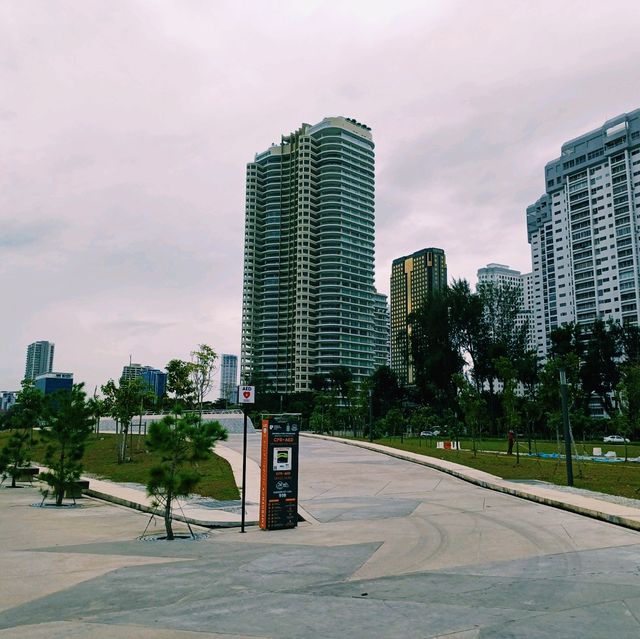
[370, 415]
[567, 430]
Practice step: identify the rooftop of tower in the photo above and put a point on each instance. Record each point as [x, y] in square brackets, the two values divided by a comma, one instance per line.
[349, 124]
[423, 251]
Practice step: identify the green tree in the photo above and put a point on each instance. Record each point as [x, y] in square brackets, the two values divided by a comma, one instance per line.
[14, 455]
[202, 368]
[386, 391]
[473, 408]
[435, 356]
[628, 337]
[67, 424]
[29, 408]
[179, 382]
[627, 420]
[599, 373]
[124, 402]
[469, 328]
[182, 441]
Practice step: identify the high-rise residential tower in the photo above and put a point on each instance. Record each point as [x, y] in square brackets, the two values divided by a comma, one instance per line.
[39, 359]
[584, 231]
[413, 278]
[308, 294]
[229, 378]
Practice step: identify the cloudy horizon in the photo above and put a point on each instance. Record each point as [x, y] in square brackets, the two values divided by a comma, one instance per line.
[126, 128]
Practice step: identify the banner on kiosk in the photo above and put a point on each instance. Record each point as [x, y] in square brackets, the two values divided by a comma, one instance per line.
[279, 473]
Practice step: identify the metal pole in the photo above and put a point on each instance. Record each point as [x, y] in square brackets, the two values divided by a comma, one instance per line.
[370, 415]
[244, 467]
[567, 430]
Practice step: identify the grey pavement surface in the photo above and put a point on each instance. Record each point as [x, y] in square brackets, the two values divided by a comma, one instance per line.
[390, 549]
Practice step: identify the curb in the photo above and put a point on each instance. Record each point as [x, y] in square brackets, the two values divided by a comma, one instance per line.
[154, 511]
[618, 520]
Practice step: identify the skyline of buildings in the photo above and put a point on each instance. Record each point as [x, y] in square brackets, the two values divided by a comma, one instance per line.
[39, 359]
[308, 290]
[309, 302]
[413, 278]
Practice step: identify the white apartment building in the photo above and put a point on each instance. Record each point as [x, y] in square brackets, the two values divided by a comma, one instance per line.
[39, 359]
[584, 231]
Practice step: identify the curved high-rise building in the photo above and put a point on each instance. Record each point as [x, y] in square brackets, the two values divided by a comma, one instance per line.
[309, 294]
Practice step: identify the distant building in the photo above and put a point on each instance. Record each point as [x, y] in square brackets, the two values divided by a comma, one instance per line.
[583, 231]
[52, 382]
[131, 371]
[502, 275]
[7, 400]
[153, 377]
[39, 359]
[229, 378]
[413, 278]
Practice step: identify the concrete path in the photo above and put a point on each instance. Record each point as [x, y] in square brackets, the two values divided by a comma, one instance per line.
[394, 549]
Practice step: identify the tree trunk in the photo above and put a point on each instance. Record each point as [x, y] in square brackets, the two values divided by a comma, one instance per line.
[167, 516]
[60, 492]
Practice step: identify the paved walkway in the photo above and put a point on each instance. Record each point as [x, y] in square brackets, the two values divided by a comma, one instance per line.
[391, 549]
[217, 514]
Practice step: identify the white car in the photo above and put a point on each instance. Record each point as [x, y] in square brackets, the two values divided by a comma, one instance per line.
[615, 439]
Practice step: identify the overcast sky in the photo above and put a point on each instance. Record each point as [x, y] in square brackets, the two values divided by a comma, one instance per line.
[125, 128]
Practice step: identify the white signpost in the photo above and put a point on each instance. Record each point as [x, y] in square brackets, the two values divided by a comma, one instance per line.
[246, 395]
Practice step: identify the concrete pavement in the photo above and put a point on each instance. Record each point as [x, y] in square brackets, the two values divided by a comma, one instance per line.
[394, 549]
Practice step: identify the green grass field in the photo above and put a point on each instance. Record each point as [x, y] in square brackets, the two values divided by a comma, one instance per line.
[615, 479]
[100, 460]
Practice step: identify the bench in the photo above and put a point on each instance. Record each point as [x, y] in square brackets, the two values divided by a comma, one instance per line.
[27, 473]
[78, 486]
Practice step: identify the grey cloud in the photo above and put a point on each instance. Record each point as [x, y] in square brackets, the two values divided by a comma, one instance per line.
[126, 131]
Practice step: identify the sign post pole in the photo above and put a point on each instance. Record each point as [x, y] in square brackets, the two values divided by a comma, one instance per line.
[246, 395]
[244, 468]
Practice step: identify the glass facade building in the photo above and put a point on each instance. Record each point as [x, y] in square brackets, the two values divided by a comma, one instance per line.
[309, 296]
[229, 378]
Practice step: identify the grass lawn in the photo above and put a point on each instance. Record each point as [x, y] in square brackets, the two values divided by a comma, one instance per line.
[100, 460]
[615, 479]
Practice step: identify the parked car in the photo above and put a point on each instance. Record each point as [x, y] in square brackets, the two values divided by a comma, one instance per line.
[615, 439]
[429, 433]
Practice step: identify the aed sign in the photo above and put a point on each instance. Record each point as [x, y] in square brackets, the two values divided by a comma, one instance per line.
[279, 472]
[246, 394]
